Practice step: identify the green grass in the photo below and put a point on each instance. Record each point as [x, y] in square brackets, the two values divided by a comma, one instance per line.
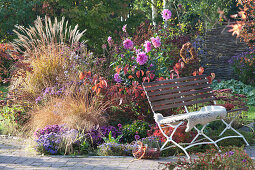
[251, 113]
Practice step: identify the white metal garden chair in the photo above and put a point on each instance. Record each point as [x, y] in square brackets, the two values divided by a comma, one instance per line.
[183, 92]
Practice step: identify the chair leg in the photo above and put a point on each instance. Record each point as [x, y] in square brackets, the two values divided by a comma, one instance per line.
[169, 139]
[201, 132]
[228, 126]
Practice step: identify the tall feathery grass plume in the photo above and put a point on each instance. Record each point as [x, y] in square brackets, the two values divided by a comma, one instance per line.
[43, 34]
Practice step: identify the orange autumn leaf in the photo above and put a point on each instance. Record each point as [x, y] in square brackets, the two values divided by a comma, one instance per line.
[125, 69]
[89, 73]
[152, 76]
[105, 83]
[98, 90]
[147, 73]
[118, 69]
[209, 79]
[144, 79]
[142, 72]
[136, 93]
[194, 73]
[138, 74]
[236, 29]
[243, 15]
[161, 78]
[201, 70]
[213, 75]
[82, 75]
[94, 88]
[130, 77]
[178, 66]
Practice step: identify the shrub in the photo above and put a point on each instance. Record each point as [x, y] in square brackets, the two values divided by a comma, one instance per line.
[114, 149]
[135, 131]
[231, 158]
[243, 65]
[237, 87]
[6, 62]
[12, 118]
[16, 12]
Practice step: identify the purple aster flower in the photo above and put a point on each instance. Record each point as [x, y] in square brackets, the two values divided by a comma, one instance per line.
[38, 99]
[156, 42]
[142, 58]
[147, 46]
[137, 137]
[128, 44]
[231, 152]
[244, 160]
[117, 78]
[166, 14]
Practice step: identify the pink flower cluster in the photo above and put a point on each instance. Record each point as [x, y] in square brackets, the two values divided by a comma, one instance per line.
[147, 46]
[124, 28]
[156, 41]
[142, 58]
[110, 41]
[128, 44]
[166, 14]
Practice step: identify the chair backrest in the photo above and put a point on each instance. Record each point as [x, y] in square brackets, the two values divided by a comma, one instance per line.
[179, 92]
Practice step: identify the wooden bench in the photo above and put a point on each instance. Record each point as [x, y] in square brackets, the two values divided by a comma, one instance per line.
[187, 92]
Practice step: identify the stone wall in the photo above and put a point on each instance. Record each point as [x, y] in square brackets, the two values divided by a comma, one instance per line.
[219, 47]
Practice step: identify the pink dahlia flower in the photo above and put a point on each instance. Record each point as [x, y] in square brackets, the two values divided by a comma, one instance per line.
[128, 44]
[142, 58]
[147, 46]
[166, 14]
[110, 40]
[124, 28]
[156, 42]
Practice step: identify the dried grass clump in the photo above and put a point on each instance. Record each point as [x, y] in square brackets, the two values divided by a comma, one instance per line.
[77, 112]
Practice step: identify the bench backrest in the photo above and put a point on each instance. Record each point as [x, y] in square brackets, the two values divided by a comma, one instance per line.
[179, 92]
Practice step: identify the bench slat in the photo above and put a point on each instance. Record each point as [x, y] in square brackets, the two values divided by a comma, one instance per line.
[155, 98]
[157, 108]
[177, 84]
[187, 88]
[174, 80]
[184, 99]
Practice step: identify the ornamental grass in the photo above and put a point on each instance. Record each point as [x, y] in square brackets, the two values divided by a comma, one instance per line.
[76, 111]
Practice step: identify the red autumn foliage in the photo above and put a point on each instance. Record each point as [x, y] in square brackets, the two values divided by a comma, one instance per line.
[179, 136]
